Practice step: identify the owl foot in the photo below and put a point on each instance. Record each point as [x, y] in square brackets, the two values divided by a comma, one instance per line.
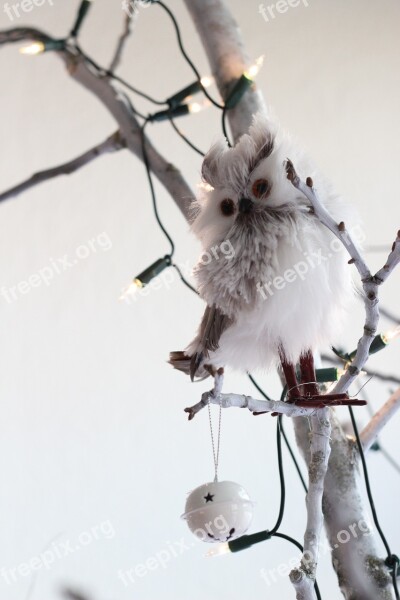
[321, 401]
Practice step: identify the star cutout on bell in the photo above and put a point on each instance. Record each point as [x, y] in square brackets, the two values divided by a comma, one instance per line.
[209, 497]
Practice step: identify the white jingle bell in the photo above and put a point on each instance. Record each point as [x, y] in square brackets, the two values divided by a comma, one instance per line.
[219, 511]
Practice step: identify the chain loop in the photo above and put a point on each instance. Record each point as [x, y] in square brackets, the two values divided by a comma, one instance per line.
[215, 452]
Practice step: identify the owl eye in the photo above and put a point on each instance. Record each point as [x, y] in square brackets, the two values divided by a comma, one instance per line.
[227, 207]
[261, 188]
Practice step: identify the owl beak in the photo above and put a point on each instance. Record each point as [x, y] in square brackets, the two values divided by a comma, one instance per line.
[245, 205]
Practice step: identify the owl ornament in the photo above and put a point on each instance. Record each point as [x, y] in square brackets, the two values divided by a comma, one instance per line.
[281, 290]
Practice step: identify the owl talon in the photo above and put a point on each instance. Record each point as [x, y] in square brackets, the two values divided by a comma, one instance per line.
[327, 400]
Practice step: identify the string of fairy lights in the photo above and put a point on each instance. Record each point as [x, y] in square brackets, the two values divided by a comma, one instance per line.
[178, 105]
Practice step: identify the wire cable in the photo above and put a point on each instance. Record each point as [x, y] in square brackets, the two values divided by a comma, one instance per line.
[185, 139]
[183, 279]
[185, 55]
[111, 75]
[285, 438]
[152, 191]
[281, 477]
[223, 125]
[135, 90]
[254, 382]
[392, 560]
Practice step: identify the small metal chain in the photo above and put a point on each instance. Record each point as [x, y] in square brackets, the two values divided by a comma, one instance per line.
[215, 453]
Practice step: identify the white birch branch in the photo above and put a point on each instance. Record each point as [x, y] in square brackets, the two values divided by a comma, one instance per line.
[374, 567]
[252, 404]
[222, 41]
[370, 283]
[129, 126]
[303, 577]
[379, 420]
[111, 144]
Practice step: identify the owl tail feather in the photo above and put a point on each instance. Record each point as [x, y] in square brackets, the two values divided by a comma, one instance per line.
[195, 363]
[188, 364]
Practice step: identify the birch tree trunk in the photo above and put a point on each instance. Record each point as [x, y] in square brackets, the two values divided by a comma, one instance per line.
[362, 574]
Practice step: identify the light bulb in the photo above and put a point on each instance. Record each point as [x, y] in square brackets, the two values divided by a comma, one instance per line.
[391, 335]
[33, 49]
[218, 550]
[131, 289]
[254, 69]
[195, 107]
[146, 276]
[206, 81]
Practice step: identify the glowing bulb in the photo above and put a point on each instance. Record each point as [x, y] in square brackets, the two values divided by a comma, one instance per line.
[33, 49]
[195, 107]
[254, 69]
[218, 550]
[206, 81]
[131, 289]
[391, 335]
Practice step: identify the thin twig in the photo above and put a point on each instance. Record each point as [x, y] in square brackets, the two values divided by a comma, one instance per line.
[369, 372]
[94, 81]
[370, 282]
[379, 420]
[122, 41]
[111, 144]
[303, 577]
[253, 405]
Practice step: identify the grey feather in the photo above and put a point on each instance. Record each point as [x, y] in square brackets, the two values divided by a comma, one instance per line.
[212, 326]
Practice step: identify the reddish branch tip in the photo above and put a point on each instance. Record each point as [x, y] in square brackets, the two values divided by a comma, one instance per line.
[309, 182]
[351, 261]
[342, 226]
[191, 413]
[290, 171]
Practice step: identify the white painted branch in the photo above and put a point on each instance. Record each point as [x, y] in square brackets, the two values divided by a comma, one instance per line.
[370, 282]
[362, 574]
[353, 586]
[222, 41]
[255, 406]
[129, 126]
[303, 577]
[379, 420]
[111, 144]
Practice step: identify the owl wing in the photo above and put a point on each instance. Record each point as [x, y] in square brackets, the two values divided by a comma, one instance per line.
[212, 326]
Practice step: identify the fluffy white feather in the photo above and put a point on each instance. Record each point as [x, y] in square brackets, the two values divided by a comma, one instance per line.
[287, 281]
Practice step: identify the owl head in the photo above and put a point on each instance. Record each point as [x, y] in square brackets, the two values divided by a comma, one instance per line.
[243, 182]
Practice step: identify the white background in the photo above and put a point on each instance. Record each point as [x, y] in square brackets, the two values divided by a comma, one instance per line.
[92, 427]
